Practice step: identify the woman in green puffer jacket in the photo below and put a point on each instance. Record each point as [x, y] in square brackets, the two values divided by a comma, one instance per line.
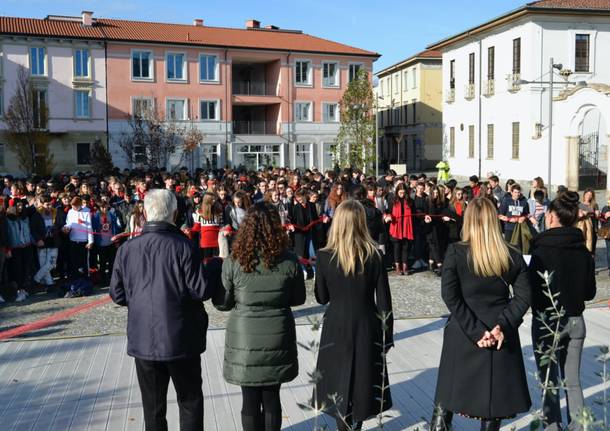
[262, 280]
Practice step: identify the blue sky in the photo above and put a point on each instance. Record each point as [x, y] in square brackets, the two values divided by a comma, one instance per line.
[395, 28]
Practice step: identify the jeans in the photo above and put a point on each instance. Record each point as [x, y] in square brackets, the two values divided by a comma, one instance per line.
[47, 259]
[153, 378]
[571, 343]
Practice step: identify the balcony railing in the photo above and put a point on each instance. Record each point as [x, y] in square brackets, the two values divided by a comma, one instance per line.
[469, 91]
[253, 88]
[490, 88]
[450, 95]
[514, 82]
[243, 127]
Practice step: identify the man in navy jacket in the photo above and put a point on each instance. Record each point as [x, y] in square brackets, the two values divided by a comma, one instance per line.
[160, 278]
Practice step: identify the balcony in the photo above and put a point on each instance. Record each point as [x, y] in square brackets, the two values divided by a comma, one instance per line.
[514, 82]
[469, 91]
[253, 88]
[246, 127]
[450, 95]
[490, 88]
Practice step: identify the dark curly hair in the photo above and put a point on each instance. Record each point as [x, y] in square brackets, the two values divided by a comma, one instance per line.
[261, 236]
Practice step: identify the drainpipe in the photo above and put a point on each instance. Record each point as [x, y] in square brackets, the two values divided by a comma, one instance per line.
[106, 89]
[480, 102]
[227, 108]
[290, 113]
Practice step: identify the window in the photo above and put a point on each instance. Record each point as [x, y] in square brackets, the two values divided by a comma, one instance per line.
[516, 56]
[491, 62]
[395, 84]
[452, 142]
[490, 141]
[176, 109]
[354, 69]
[452, 74]
[37, 60]
[141, 65]
[515, 154]
[330, 112]
[414, 78]
[82, 104]
[81, 63]
[175, 66]
[302, 111]
[2, 154]
[582, 53]
[208, 68]
[141, 106]
[471, 68]
[209, 110]
[302, 74]
[414, 103]
[328, 158]
[405, 80]
[83, 154]
[303, 156]
[40, 109]
[471, 142]
[330, 74]
[382, 84]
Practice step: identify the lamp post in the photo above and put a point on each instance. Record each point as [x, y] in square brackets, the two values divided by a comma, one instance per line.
[550, 83]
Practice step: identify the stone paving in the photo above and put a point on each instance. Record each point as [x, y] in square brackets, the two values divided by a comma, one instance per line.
[414, 296]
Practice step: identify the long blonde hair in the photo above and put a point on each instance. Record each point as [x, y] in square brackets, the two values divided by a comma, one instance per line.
[488, 249]
[349, 239]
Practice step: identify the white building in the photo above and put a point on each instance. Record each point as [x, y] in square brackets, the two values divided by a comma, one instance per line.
[495, 122]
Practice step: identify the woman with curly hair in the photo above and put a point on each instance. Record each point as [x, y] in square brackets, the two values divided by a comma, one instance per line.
[262, 280]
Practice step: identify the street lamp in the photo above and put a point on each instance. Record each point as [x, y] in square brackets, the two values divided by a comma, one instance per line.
[550, 82]
[377, 133]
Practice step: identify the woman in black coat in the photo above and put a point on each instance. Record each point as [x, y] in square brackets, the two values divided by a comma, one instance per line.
[352, 278]
[481, 373]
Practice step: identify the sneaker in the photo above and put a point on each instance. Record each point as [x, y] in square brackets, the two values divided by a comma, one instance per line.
[305, 275]
[21, 296]
[2, 300]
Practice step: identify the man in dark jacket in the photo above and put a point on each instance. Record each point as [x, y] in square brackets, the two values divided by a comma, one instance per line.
[374, 217]
[159, 277]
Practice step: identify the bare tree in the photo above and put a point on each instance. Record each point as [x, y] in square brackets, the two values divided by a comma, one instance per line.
[27, 120]
[151, 140]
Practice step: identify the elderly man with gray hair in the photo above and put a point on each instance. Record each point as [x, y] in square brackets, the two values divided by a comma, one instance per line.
[159, 276]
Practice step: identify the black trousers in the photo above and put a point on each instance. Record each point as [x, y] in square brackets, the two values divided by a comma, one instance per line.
[79, 266]
[106, 257]
[153, 378]
[401, 250]
[258, 399]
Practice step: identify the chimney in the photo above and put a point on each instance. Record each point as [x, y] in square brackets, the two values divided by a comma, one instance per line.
[198, 22]
[272, 27]
[87, 18]
[252, 23]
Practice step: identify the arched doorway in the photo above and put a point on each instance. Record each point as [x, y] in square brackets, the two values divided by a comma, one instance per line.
[592, 151]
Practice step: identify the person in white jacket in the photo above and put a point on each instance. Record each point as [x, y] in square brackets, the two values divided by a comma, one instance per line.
[78, 226]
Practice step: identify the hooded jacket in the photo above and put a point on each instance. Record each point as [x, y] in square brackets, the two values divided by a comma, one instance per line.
[562, 252]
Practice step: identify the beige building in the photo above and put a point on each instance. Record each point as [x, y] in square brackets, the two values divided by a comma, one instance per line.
[409, 97]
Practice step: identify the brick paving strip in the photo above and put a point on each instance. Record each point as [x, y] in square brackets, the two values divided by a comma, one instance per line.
[53, 318]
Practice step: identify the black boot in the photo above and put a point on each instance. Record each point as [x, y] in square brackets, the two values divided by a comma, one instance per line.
[273, 422]
[490, 424]
[251, 423]
[441, 420]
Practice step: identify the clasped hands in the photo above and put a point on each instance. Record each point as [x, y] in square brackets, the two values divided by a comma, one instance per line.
[493, 338]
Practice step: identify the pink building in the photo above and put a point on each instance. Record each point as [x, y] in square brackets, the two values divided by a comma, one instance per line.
[261, 95]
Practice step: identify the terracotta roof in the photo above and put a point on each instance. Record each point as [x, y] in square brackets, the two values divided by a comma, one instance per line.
[571, 4]
[427, 54]
[152, 32]
[576, 7]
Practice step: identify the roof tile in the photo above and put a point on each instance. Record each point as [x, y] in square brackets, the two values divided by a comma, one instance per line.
[571, 4]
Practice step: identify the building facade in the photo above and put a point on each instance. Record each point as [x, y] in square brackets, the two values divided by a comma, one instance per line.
[260, 96]
[409, 100]
[69, 79]
[497, 108]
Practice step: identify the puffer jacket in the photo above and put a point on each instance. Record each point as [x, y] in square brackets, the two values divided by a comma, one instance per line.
[260, 341]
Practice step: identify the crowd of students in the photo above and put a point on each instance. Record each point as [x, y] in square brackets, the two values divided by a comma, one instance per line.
[62, 230]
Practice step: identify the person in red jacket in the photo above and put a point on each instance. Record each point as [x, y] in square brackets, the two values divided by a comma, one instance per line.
[208, 221]
[401, 227]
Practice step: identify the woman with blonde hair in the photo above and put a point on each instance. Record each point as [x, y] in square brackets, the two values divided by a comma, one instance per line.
[352, 278]
[481, 373]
